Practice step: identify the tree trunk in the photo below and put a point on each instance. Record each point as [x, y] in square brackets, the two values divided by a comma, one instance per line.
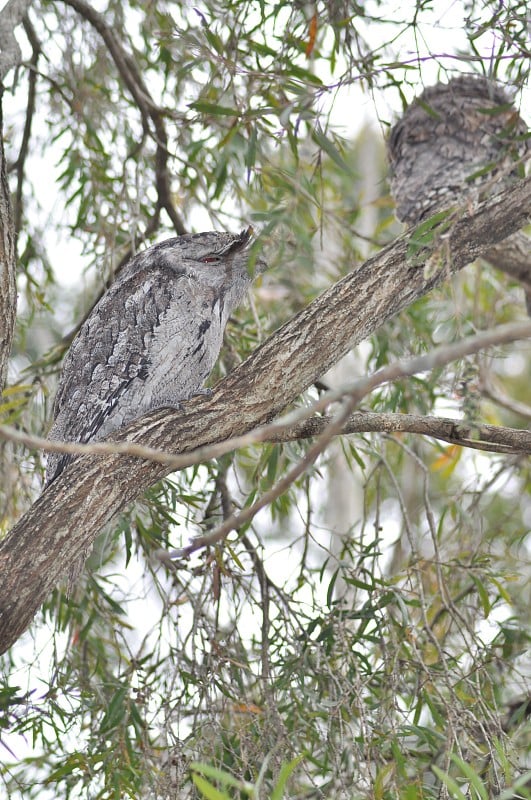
[70, 513]
[8, 289]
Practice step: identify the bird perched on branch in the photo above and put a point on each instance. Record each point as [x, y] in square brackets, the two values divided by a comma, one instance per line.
[460, 142]
[457, 140]
[153, 338]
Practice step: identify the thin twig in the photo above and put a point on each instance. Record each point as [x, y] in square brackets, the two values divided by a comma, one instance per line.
[498, 396]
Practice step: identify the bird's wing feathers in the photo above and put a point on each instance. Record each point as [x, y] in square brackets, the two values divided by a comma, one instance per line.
[112, 349]
[109, 352]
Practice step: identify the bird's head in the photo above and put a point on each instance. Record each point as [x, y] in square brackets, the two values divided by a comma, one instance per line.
[215, 256]
[228, 250]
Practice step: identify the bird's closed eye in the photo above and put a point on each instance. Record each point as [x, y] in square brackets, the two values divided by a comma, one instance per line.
[210, 259]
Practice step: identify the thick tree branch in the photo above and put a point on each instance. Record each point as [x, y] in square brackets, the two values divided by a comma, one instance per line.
[70, 513]
[478, 436]
[436, 358]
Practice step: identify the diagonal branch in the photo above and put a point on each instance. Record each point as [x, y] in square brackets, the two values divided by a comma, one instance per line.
[294, 427]
[70, 513]
[438, 357]
[149, 110]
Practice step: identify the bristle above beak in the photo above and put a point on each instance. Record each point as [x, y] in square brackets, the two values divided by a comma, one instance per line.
[246, 235]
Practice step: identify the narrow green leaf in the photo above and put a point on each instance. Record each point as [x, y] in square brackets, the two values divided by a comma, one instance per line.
[220, 775]
[250, 155]
[369, 587]
[484, 170]
[116, 710]
[522, 782]
[504, 594]
[380, 780]
[226, 546]
[207, 789]
[214, 40]
[451, 785]
[430, 224]
[286, 771]
[503, 108]
[330, 590]
[428, 109]
[12, 404]
[75, 761]
[483, 595]
[212, 108]
[425, 233]
[325, 144]
[272, 464]
[472, 776]
[18, 388]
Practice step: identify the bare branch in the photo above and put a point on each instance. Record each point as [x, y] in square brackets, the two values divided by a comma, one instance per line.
[69, 514]
[303, 424]
[478, 436]
[149, 110]
[490, 438]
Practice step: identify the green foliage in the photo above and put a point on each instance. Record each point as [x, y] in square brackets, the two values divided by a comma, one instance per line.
[382, 656]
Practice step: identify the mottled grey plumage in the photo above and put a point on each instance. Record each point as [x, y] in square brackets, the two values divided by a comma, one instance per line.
[453, 141]
[152, 339]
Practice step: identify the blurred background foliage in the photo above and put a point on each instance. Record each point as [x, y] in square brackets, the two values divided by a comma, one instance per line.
[367, 636]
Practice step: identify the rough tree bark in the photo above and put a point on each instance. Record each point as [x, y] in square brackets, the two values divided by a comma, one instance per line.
[69, 515]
